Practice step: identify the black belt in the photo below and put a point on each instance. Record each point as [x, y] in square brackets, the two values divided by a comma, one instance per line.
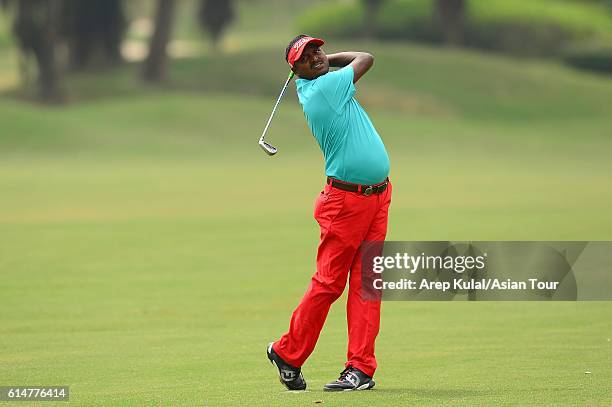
[363, 189]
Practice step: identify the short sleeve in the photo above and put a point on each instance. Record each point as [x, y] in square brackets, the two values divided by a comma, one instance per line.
[337, 86]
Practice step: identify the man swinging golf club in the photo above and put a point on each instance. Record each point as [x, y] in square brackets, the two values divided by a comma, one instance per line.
[352, 208]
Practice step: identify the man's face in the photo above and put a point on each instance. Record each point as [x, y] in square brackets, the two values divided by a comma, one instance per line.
[312, 64]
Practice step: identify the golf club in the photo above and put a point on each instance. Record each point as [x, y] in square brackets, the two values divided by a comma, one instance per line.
[268, 148]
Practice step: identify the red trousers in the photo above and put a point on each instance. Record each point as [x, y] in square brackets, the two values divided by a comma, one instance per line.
[346, 220]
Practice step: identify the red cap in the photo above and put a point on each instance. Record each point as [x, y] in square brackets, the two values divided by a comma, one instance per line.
[296, 49]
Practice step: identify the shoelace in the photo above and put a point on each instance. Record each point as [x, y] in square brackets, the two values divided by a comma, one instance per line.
[344, 373]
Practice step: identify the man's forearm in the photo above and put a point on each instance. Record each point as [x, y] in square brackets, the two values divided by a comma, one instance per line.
[360, 61]
[342, 59]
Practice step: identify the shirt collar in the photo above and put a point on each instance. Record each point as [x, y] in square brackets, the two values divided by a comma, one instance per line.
[301, 82]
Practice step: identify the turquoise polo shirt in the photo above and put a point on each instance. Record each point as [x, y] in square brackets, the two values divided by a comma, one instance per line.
[353, 150]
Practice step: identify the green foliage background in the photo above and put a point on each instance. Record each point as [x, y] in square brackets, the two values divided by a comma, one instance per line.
[523, 27]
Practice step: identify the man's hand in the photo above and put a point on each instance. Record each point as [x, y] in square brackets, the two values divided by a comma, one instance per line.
[360, 61]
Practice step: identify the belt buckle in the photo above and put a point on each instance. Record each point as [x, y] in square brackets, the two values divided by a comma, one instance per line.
[368, 191]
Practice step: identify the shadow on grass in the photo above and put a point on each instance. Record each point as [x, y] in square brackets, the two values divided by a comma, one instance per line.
[401, 391]
[432, 393]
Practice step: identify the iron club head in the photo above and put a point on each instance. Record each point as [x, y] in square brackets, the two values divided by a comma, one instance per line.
[269, 149]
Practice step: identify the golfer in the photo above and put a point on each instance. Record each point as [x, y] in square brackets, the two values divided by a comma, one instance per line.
[352, 208]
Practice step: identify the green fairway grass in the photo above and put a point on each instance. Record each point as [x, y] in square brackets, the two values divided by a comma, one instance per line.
[149, 250]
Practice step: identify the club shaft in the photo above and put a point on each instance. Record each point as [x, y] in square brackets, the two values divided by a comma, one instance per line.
[275, 106]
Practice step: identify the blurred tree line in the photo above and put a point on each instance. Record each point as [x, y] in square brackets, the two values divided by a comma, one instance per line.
[62, 36]
[72, 35]
[576, 32]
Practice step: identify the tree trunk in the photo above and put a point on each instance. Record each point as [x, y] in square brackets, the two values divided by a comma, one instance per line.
[36, 26]
[94, 30]
[155, 66]
[214, 17]
[370, 15]
[450, 15]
